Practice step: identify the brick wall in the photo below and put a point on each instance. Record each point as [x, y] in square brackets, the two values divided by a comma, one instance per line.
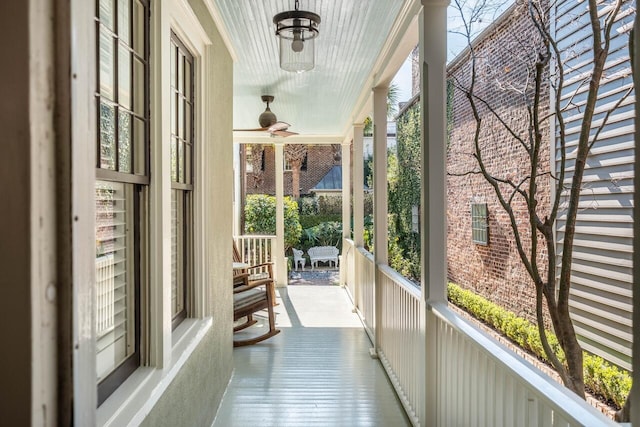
[320, 159]
[494, 271]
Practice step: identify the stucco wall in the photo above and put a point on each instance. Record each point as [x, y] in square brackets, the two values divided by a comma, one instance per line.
[194, 395]
[494, 271]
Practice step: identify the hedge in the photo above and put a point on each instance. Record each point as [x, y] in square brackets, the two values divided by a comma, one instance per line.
[308, 221]
[601, 377]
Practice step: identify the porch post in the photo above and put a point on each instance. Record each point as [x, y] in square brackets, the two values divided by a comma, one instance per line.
[379, 199]
[358, 205]
[433, 48]
[278, 251]
[358, 185]
[346, 204]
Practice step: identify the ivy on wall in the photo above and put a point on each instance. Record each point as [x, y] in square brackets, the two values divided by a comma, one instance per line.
[404, 195]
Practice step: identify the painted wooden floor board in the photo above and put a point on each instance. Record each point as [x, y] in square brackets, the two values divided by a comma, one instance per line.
[316, 372]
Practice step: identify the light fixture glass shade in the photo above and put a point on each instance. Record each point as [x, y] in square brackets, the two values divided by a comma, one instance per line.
[297, 60]
[297, 30]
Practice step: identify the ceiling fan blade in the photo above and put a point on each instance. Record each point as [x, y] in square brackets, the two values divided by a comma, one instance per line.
[277, 126]
[251, 130]
[283, 133]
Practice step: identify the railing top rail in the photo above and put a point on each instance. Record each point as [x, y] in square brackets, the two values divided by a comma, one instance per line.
[401, 281]
[255, 236]
[365, 253]
[564, 402]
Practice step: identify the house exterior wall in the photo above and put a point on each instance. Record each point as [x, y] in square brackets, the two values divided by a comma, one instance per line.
[48, 244]
[195, 393]
[601, 276]
[494, 271]
[601, 295]
[320, 160]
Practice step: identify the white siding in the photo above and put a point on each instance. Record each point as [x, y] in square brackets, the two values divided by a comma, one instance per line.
[601, 301]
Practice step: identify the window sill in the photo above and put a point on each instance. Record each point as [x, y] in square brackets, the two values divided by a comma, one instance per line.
[136, 397]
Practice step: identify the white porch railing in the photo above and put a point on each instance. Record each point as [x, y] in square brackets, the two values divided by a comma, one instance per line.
[365, 291]
[402, 340]
[257, 249]
[347, 267]
[472, 379]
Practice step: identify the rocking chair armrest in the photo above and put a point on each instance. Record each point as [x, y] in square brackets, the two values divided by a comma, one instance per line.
[269, 265]
[253, 284]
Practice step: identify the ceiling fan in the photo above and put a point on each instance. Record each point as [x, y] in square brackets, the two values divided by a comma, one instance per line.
[269, 122]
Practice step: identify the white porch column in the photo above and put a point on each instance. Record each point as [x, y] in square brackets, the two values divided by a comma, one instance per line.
[238, 176]
[346, 203]
[358, 204]
[358, 185]
[379, 199]
[278, 251]
[433, 48]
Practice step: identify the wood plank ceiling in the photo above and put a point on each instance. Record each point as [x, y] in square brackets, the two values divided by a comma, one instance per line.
[320, 101]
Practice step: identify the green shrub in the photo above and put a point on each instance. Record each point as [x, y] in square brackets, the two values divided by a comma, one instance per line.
[601, 377]
[308, 206]
[330, 204]
[325, 234]
[308, 221]
[260, 218]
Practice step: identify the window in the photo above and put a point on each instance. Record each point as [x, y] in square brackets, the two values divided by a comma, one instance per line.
[182, 139]
[479, 224]
[122, 184]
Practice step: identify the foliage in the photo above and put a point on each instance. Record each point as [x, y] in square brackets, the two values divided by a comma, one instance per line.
[330, 204]
[404, 172]
[325, 234]
[543, 97]
[393, 96]
[260, 218]
[308, 221]
[308, 206]
[601, 377]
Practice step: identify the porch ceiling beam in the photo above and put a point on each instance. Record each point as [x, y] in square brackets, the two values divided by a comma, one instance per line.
[403, 37]
[259, 138]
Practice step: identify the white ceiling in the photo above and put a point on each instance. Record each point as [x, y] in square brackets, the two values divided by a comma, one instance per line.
[321, 101]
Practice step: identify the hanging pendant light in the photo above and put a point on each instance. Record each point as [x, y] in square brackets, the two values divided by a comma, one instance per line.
[297, 30]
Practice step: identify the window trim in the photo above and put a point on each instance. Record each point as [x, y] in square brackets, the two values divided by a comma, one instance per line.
[108, 385]
[165, 352]
[476, 217]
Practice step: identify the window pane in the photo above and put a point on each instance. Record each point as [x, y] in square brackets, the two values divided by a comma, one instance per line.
[180, 117]
[139, 147]
[188, 122]
[139, 100]
[124, 77]
[174, 160]
[174, 114]
[107, 136]
[187, 79]
[124, 31]
[107, 69]
[188, 167]
[105, 13]
[177, 253]
[138, 28]
[180, 161]
[174, 62]
[114, 319]
[124, 142]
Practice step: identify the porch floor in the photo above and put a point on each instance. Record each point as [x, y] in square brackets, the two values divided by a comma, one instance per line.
[316, 372]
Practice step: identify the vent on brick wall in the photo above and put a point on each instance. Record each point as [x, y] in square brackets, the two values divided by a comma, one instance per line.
[479, 224]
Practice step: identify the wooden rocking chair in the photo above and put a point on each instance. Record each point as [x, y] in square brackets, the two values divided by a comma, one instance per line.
[250, 297]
